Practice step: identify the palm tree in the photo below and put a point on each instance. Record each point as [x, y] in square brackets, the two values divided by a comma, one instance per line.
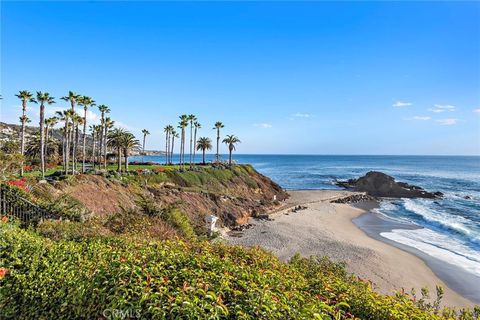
[182, 125]
[49, 123]
[145, 133]
[86, 102]
[42, 98]
[174, 135]
[191, 118]
[115, 141]
[95, 130]
[197, 126]
[129, 143]
[25, 96]
[65, 116]
[204, 144]
[231, 140]
[33, 146]
[109, 123]
[168, 130]
[103, 110]
[72, 97]
[218, 126]
[76, 120]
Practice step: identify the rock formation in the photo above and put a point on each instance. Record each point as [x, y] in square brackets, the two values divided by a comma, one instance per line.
[378, 184]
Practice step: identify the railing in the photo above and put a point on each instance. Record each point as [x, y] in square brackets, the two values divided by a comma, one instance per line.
[15, 207]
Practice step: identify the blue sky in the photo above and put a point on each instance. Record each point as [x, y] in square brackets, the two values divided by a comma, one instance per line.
[309, 77]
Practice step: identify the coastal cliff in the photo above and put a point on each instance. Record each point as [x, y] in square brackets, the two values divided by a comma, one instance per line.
[232, 194]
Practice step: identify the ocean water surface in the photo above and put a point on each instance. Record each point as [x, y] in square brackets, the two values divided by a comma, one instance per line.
[446, 229]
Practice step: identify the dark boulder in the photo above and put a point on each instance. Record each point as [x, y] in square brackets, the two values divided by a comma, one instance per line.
[378, 184]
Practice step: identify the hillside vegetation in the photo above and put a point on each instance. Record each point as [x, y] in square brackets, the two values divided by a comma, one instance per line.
[88, 279]
[135, 247]
[231, 194]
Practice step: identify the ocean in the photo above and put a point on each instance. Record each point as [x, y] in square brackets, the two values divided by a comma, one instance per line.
[446, 230]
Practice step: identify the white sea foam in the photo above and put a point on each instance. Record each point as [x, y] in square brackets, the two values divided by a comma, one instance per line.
[438, 246]
[455, 222]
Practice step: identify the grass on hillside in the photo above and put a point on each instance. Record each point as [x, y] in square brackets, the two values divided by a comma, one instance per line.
[112, 167]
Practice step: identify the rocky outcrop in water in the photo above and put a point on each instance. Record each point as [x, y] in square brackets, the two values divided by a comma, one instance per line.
[378, 184]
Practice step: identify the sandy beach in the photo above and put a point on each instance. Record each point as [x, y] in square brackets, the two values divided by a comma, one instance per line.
[326, 229]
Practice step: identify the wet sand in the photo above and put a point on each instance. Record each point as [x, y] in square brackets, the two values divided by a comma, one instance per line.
[326, 229]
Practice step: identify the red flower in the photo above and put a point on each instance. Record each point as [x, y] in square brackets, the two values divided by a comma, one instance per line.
[5, 219]
[3, 272]
[21, 183]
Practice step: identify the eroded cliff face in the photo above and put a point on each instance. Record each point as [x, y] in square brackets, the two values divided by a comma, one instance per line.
[231, 194]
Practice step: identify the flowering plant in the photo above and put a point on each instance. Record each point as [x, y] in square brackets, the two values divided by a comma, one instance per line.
[21, 183]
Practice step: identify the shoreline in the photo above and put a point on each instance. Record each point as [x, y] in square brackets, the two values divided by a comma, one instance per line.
[464, 283]
[327, 229]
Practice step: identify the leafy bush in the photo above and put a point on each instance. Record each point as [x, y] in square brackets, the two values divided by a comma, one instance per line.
[71, 230]
[68, 207]
[138, 225]
[41, 278]
[124, 221]
[148, 206]
[179, 221]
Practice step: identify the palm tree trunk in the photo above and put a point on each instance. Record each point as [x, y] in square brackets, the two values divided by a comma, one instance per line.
[101, 140]
[218, 145]
[22, 143]
[70, 145]
[46, 142]
[183, 148]
[194, 144]
[63, 149]
[93, 148]
[77, 139]
[42, 139]
[125, 154]
[203, 156]
[180, 153]
[105, 148]
[144, 136]
[191, 141]
[119, 159]
[84, 138]
[173, 145]
[166, 148]
[67, 146]
[74, 147]
[230, 157]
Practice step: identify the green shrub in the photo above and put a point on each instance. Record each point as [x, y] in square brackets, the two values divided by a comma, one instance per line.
[45, 279]
[179, 221]
[68, 207]
[148, 206]
[124, 221]
[71, 230]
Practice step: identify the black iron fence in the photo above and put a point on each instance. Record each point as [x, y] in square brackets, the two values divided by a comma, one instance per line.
[15, 207]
